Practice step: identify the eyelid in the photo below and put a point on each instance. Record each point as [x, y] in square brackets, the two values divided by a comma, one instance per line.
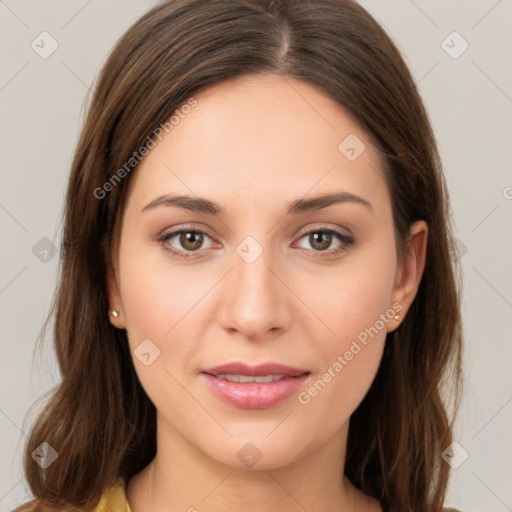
[186, 227]
[324, 227]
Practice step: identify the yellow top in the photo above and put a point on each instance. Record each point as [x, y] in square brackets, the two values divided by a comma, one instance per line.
[114, 499]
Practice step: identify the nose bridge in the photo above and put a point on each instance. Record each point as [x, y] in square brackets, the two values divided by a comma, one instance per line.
[255, 301]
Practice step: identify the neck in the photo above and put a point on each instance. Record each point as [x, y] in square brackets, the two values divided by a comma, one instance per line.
[182, 478]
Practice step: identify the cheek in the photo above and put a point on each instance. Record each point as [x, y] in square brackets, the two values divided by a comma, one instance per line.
[351, 358]
[157, 299]
[350, 297]
[353, 303]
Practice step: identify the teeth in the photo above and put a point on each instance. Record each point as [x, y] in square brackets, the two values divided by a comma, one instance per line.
[263, 379]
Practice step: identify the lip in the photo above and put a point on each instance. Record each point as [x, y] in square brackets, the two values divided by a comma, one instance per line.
[256, 371]
[253, 395]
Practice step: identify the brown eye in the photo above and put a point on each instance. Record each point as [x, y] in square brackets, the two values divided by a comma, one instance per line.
[191, 240]
[320, 240]
[185, 243]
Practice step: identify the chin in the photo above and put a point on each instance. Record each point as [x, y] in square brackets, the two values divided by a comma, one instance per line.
[259, 452]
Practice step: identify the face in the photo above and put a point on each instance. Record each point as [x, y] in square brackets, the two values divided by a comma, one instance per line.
[272, 278]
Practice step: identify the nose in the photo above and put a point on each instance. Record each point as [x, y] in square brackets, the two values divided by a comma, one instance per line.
[256, 303]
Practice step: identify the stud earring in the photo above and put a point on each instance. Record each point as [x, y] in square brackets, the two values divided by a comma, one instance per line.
[397, 317]
[114, 313]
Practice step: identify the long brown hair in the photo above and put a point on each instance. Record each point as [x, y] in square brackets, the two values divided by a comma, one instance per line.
[99, 419]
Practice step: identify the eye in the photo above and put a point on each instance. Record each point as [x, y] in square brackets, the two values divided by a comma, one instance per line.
[322, 238]
[190, 240]
[185, 242]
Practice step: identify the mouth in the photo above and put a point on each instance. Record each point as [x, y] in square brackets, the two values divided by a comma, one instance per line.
[254, 387]
[261, 379]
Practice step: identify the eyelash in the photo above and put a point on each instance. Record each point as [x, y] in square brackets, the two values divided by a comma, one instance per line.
[345, 239]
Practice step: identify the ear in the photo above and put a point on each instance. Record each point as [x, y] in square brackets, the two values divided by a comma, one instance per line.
[409, 274]
[114, 297]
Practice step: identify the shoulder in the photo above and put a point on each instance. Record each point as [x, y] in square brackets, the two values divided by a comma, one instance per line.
[113, 499]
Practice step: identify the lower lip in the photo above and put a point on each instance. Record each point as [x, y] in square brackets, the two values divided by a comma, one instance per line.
[252, 395]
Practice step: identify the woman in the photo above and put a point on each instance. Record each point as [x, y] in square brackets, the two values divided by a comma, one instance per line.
[259, 293]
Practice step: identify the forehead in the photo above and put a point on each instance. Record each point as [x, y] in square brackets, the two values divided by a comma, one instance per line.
[261, 137]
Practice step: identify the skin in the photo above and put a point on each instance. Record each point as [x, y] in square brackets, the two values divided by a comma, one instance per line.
[253, 145]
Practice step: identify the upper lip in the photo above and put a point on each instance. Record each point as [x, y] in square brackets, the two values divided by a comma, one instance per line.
[239, 368]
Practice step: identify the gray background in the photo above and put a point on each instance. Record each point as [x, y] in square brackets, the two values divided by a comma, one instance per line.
[469, 99]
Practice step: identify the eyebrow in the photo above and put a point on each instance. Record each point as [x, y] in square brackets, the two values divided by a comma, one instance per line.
[203, 205]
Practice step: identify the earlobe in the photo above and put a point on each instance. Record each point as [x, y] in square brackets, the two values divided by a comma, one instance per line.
[409, 276]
